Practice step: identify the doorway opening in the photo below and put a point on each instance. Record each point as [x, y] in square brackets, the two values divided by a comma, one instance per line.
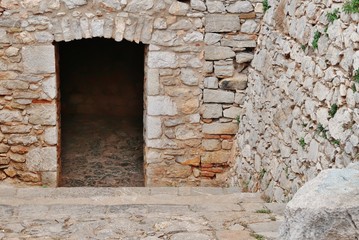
[101, 99]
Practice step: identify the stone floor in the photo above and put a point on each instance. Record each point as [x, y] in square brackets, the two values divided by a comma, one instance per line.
[101, 152]
[136, 213]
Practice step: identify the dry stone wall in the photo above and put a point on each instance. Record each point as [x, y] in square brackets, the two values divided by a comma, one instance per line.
[301, 108]
[195, 76]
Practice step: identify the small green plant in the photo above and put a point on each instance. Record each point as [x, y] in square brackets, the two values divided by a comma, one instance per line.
[321, 131]
[258, 236]
[354, 88]
[356, 76]
[302, 142]
[333, 110]
[264, 210]
[261, 173]
[335, 142]
[238, 119]
[303, 47]
[266, 5]
[332, 16]
[316, 39]
[351, 6]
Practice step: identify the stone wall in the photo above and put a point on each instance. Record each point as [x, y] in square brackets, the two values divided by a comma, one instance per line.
[195, 74]
[301, 109]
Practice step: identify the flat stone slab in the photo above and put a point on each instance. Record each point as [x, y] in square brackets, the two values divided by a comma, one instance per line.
[129, 213]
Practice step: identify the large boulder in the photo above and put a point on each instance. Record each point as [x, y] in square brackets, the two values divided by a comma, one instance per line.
[326, 207]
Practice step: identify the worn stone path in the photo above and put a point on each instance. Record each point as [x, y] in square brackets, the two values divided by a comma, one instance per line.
[101, 152]
[136, 213]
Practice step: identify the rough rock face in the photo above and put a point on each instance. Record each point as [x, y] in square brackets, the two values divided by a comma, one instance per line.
[327, 207]
[301, 106]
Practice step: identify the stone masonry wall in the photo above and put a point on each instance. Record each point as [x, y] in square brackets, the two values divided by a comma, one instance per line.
[195, 75]
[301, 109]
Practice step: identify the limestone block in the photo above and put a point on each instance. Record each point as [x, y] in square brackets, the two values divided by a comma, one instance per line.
[240, 7]
[49, 179]
[211, 82]
[211, 144]
[189, 77]
[51, 135]
[217, 96]
[215, 7]
[161, 105]
[220, 128]
[237, 83]
[184, 132]
[178, 8]
[222, 71]
[212, 38]
[135, 6]
[42, 114]
[97, 27]
[161, 144]
[153, 127]
[4, 148]
[232, 112]
[212, 111]
[193, 37]
[16, 129]
[153, 82]
[239, 43]
[22, 139]
[198, 5]
[221, 23]
[218, 53]
[39, 59]
[244, 57]
[14, 84]
[336, 129]
[191, 160]
[162, 60]
[10, 116]
[327, 207]
[208, 67]
[74, 3]
[28, 177]
[49, 87]
[216, 157]
[42, 159]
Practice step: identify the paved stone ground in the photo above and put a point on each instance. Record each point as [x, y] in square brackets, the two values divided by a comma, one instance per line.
[101, 152]
[136, 213]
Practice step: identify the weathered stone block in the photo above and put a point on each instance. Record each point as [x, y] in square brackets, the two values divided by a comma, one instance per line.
[10, 116]
[153, 127]
[238, 83]
[74, 3]
[161, 105]
[222, 71]
[221, 23]
[240, 7]
[239, 43]
[42, 159]
[211, 144]
[212, 111]
[153, 82]
[139, 6]
[49, 87]
[51, 135]
[232, 112]
[178, 8]
[42, 114]
[184, 132]
[220, 128]
[244, 57]
[162, 60]
[218, 53]
[217, 96]
[216, 157]
[39, 59]
[326, 207]
[211, 82]
[22, 139]
[16, 129]
[189, 77]
[191, 161]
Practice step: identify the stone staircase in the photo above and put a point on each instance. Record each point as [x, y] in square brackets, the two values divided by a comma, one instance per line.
[180, 213]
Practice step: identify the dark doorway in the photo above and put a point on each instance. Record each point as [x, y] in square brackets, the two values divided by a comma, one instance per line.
[101, 99]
